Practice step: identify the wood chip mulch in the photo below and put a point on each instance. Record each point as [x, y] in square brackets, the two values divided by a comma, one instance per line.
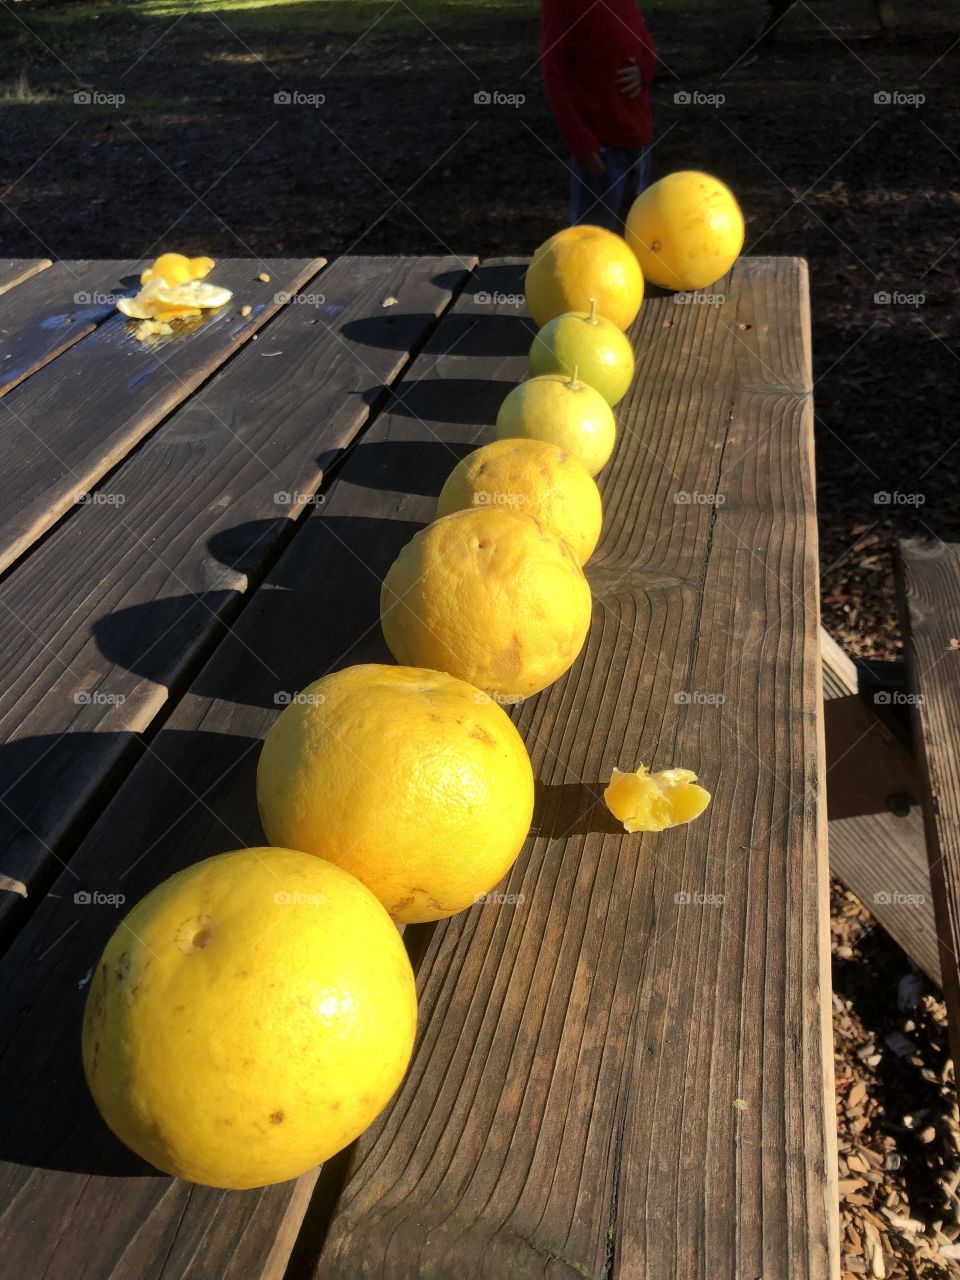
[897, 1115]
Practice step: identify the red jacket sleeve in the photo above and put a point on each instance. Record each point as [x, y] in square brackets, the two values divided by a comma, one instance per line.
[554, 51]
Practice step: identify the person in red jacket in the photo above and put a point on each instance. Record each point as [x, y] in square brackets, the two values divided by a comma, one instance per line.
[598, 61]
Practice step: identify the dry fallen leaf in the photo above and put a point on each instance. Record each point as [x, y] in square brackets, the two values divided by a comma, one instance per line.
[389, 302]
[246, 311]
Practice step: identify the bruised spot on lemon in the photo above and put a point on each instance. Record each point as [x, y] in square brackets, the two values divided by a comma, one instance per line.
[249, 1018]
[489, 596]
[645, 801]
[415, 782]
[533, 476]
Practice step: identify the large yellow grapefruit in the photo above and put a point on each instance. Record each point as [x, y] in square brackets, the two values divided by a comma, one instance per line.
[249, 1018]
[686, 230]
[413, 781]
[490, 597]
[541, 479]
[580, 263]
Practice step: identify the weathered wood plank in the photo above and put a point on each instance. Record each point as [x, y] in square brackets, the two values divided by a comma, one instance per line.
[930, 591]
[877, 844]
[54, 310]
[629, 1073]
[99, 622]
[14, 271]
[599, 1033]
[69, 424]
[69, 1190]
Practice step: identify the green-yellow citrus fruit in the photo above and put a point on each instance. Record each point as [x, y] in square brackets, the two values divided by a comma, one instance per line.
[249, 1018]
[686, 230]
[541, 479]
[490, 597]
[585, 345]
[583, 263]
[564, 412]
[413, 781]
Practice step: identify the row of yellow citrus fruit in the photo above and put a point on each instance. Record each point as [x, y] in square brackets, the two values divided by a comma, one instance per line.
[254, 1013]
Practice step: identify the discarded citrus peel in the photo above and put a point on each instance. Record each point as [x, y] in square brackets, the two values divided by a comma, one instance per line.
[645, 801]
[171, 289]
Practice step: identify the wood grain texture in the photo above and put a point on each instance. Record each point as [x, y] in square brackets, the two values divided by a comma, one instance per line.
[929, 579]
[609, 1081]
[14, 271]
[103, 619]
[55, 309]
[877, 843]
[628, 1073]
[68, 1189]
[68, 425]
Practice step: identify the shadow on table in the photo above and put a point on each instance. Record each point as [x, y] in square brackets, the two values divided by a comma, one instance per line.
[466, 401]
[322, 598]
[563, 809]
[192, 795]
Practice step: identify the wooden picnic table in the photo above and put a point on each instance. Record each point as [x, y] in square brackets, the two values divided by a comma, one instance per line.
[623, 1070]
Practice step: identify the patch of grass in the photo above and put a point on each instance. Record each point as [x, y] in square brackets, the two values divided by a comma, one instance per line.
[18, 93]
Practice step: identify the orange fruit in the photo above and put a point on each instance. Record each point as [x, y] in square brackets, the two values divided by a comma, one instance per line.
[579, 264]
[686, 230]
[413, 781]
[489, 596]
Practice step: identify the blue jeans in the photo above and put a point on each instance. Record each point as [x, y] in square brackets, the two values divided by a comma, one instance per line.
[604, 199]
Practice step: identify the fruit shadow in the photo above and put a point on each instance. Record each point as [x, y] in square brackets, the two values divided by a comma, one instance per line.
[562, 809]
[208, 780]
[323, 599]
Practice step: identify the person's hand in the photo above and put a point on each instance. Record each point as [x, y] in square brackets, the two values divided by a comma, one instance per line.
[593, 163]
[630, 79]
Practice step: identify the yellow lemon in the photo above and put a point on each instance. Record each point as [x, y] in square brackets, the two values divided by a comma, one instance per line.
[533, 476]
[564, 411]
[581, 263]
[686, 230]
[415, 782]
[249, 1018]
[490, 597]
[585, 343]
[645, 801]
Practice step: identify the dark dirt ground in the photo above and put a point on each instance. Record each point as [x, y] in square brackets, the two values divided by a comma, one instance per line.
[400, 158]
